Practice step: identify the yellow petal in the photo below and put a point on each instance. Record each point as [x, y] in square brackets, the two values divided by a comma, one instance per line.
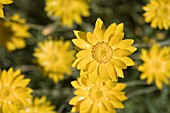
[100, 24]
[91, 39]
[86, 105]
[119, 72]
[95, 108]
[115, 39]
[117, 104]
[83, 63]
[125, 43]
[75, 99]
[128, 61]
[83, 54]
[1, 13]
[80, 34]
[112, 72]
[131, 48]
[75, 84]
[82, 44]
[120, 86]
[121, 53]
[158, 83]
[107, 105]
[110, 30]
[102, 109]
[103, 72]
[154, 23]
[119, 28]
[93, 76]
[92, 66]
[81, 92]
[150, 78]
[118, 63]
[98, 33]
[143, 76]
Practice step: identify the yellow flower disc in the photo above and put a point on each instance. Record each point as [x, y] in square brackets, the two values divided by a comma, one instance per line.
[97, 97]
[55, 57]
[69, 11]
[156, 65]
[104, 52]
[13, 91]
[1, 6]
[158, 13]
[12, 34]
[38, 105]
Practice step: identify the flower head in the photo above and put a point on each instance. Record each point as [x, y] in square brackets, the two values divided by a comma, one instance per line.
[13, 91]
[158, 13]
[156, 65]
[103, 53]
[69, 11]
[12, 34]
[55, 57]
[97, 97]
[1, 6]
[38, 106]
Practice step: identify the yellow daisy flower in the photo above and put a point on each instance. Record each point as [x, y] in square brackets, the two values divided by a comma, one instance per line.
[38, 106]
[156, 65]
[12, 34]
[55, 57]
[103, 53]
[1, 6]
[97, 97]
[13, 91]
[158, 13]
[69, 11]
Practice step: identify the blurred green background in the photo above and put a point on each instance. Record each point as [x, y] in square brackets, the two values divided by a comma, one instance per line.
[142, 98]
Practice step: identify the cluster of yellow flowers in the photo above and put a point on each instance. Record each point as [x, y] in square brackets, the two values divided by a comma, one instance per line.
[158, 13]
[52, 56]
[15, 96]
[102, 56]
[13, 33]
[156, 65]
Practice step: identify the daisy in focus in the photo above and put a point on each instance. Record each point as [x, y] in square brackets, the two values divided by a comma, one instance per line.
[13, 34]
[69, 11]
[55, 57]
[97, 97]
[13, 91]
[38, 105]
[103, 53]
[2, 2]
[156, 65]
[158, 13]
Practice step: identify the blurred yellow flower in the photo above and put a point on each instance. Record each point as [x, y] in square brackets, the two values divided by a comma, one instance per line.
[69, 11]
[103, 53]
[156, 65]
[97, 97]
[158, 13]
[1, 6]
[38, 106]
[13, 91]
[55, 57]
[12, 34]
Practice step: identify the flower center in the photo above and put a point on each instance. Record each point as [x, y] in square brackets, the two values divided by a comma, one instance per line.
[97, 93]
[163, 11]
[102, 52]
[4, 93]
[158, 66]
